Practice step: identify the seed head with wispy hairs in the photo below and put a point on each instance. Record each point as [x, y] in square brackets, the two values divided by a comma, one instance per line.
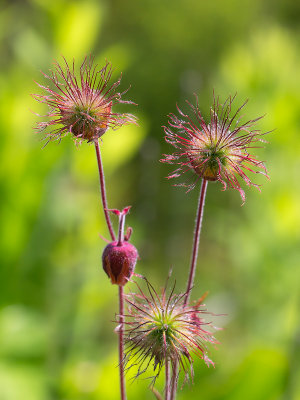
[81, 104]
[215, 151]
[160, 328]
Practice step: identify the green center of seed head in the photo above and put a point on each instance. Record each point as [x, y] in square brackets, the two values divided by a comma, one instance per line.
[214, 158]
[83, 114]
[163, 326]
[82, 120]
[214, 154]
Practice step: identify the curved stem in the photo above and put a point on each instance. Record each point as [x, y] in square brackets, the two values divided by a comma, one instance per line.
[103, 192]
[121, 342]
[121, 289]
[196, 240]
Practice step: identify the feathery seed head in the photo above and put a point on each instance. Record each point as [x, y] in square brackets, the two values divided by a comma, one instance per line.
[162, 328]
[81, 105]
[217, 151]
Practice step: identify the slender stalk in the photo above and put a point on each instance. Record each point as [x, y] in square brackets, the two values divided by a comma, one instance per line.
[168, 380]
[121, 343]
[196, 240]
[174, 382]
[121, 229]
[121, 289]
[121, 314]
[103, 192]
[191, 278]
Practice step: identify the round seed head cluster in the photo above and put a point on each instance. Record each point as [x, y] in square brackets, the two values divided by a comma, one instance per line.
[215, 151]
[81, 104]
[162, 328]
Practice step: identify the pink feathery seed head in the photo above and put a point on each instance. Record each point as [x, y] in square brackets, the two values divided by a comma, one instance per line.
[81, 103]
[161, 327]
[218, 150]
[119, 257]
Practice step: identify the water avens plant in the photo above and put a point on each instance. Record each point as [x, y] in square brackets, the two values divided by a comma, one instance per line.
[160, 329]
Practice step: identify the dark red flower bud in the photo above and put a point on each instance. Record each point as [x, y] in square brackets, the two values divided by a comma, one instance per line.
[119, 261]
[119, 257]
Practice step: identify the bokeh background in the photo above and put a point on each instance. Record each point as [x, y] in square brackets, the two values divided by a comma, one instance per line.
[57, 305]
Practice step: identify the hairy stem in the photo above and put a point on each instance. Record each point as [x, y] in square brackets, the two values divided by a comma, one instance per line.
[196, 240]
[121, 289]
[103, 191]
[121, 229]
[168, 376]
[121, 343]
[191, 278]
[174, 381]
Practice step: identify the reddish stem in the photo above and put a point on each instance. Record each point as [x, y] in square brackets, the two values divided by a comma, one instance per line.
[192, 268]
[121, 289]
[174, 381]
[196, 240]
[167, 384]
[121, 342]
[103, 191]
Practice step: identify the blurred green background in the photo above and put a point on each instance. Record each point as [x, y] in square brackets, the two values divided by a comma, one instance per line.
[57, 305]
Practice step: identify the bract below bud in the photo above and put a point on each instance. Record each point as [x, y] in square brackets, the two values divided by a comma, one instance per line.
[119, 261]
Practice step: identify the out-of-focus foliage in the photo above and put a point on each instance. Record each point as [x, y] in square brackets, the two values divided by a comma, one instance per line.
[57, 305]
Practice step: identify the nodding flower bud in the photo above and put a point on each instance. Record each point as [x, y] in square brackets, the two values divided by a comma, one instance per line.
[119, 257]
